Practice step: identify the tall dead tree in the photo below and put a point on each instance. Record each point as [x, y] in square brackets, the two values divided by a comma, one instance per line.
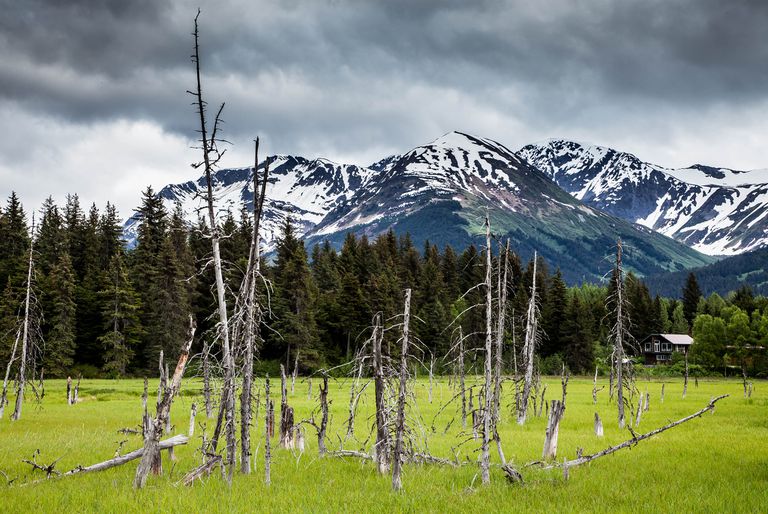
[619, 333]
[485, 458]
[211, 157]
[152, 439]
[379, 385]
[501, 318]
[397, 460]
[251, 317]
[25, 333]
[531, 338]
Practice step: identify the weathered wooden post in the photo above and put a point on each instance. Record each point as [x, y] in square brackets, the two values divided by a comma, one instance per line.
[397, 464]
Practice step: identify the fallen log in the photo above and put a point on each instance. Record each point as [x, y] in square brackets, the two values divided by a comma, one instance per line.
[166, 444]
[636, 438]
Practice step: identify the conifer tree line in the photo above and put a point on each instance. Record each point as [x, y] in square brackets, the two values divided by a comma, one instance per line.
[107, 310]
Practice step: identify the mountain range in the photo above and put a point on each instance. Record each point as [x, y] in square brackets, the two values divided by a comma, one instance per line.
[441, 191]
[717, 211]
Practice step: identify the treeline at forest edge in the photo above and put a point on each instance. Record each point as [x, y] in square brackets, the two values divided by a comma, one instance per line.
[102, 309]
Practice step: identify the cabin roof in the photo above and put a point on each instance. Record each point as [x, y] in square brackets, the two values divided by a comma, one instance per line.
[674, 338]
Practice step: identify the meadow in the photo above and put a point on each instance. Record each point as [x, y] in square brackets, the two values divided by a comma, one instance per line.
[715, 463]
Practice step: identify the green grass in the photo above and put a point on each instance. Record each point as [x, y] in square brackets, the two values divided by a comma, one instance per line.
[716, 463]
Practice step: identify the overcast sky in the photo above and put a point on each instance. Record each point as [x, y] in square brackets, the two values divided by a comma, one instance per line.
[92, 93]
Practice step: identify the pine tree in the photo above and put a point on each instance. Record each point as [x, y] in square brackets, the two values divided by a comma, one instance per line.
[578, 338]
[60, 341]
[294, 302]
[553, 316]
[691, 296]
[120, 309]
[679, 323]
[15, 242]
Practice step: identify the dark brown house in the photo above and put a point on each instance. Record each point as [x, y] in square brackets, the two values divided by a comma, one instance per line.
[658, 348]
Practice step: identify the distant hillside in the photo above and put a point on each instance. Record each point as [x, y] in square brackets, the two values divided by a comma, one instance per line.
[721, 277]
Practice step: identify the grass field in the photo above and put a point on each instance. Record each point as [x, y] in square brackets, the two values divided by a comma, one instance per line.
[716, 463]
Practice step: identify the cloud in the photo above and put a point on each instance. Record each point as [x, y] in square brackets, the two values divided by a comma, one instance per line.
[675, 82]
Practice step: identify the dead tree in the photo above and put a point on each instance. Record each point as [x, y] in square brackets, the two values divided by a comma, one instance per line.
[25, 333]
[485, 458]
[4, 396]
[501, 319]
[462, 385]
[152, 440]
[685, 381]
[295, 371]
[619, 333]
[662, 393]
[286, 413]
[251, 317]
[598, 426]
[76, 394]
[431, 374]
[553, 423]
[637, 438]
[69, 390]
[397, 458]
[268, 428]
[211, 156]
[324, 417]
[379, 377]
[531, 338]
[192, 415]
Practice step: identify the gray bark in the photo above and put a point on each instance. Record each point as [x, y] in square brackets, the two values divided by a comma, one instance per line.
[382, 433]
[152, 440]
[397, 465]
[25, 350]
[485, 458]
[208, 147]
[531, 330]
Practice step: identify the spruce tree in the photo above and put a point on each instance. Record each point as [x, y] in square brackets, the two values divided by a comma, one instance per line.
[120, 309]
[691, 296]
[60, 340]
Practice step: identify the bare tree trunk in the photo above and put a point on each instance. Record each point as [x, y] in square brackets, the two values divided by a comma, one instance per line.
[531, 329]
[685, 381]
[286, 413]
[397, 466]
[151, 443]
[598, 426]
[639, 414]
[462, 385]
[207, 381]
[208, 147]
[145, 409]
[382, 434]
[324, 419]
[618, 348]
[501, 324]
[268, 421]
[594, 388]
[25, 350]
[485, 458]
[553, 428]
[662, 393]
[76, 395]
[192, 415]
[252, 318]
[4, 396]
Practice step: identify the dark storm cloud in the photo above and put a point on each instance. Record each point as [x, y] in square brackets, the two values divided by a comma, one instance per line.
[338, 75]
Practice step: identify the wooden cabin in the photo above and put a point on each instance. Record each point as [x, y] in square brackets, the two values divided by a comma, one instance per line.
[658, 348]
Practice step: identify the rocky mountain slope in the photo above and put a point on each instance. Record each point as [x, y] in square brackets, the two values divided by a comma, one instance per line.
[717, 211]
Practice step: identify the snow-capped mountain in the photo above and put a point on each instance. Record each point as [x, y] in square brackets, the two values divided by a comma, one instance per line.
[440, 192]
[717, 211]
[304, 189]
